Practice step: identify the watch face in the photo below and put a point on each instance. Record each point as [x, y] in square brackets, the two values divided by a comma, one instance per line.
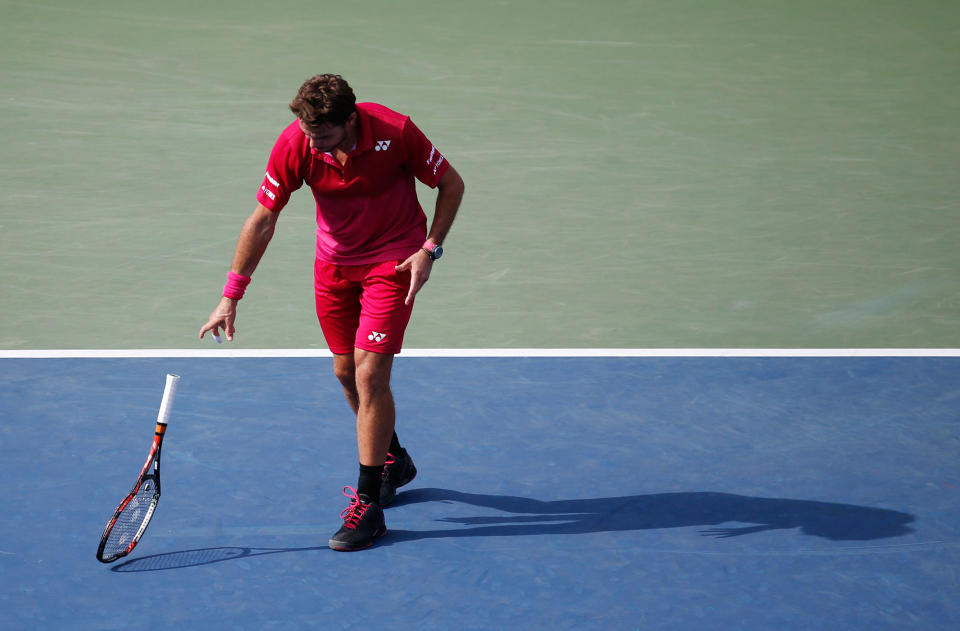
[437, 252]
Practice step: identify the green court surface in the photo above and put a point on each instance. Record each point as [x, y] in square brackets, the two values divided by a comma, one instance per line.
[639, 174]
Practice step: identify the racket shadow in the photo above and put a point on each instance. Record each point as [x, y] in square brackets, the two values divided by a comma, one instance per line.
[200, 556]
[521, 516]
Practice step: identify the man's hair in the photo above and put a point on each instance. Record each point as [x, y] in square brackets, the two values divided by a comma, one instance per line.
[324, 99]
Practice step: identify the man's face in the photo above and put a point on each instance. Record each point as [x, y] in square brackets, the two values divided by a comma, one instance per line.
[326, 137]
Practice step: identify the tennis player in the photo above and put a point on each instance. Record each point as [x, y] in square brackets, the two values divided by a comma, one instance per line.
[373, 255]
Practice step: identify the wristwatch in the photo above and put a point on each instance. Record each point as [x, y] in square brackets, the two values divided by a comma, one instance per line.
[433, 250]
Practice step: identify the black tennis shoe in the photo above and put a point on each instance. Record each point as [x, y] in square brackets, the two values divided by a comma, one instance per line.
[362, 523]
[397, 472]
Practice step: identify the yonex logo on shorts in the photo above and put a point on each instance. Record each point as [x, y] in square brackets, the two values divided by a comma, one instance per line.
[382, 145]
[376, 336]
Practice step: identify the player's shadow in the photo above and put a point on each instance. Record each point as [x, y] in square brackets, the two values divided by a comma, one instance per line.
[521, 516]
[525, 516]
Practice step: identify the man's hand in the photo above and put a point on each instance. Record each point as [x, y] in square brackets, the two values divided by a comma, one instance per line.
[419, 265]
[222, 317]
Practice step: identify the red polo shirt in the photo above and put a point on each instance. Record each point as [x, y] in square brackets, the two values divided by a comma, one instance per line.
[367, 208]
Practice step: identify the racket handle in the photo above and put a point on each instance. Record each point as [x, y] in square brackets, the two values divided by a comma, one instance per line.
[169, 392]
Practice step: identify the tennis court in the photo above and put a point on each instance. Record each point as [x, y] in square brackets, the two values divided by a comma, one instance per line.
[590, 492]
[690, 361]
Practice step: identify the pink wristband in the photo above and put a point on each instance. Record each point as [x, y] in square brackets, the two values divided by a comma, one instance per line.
[236, 285]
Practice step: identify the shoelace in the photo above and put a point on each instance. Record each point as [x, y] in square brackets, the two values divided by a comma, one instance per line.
[353, 513]
[386, 463]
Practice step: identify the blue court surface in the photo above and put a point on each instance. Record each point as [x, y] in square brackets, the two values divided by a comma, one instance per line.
[554, 493]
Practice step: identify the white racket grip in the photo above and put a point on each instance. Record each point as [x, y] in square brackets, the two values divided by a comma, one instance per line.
[169, 392]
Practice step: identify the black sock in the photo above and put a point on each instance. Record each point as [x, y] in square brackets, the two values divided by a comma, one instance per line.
[395, 447]
[369, 482]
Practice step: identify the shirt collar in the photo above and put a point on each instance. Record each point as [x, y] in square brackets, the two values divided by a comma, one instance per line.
[364, 131]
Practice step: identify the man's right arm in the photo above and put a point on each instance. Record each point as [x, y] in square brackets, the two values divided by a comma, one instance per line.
[254, 237]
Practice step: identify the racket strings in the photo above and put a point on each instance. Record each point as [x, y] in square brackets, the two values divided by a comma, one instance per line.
[130, 520]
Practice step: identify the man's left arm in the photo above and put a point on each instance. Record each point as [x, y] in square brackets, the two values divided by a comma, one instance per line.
[449, 194]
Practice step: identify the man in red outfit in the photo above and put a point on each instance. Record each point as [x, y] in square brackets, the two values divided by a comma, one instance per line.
[374, 253]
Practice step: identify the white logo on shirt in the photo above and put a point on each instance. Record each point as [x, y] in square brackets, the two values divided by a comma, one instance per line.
[382, 145]
[272, 181]
[434, 153]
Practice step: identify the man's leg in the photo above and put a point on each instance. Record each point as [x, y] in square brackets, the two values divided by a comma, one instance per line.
[365, 377]
[376, 414]
[368, 392]
[399, 469]
[345, 369]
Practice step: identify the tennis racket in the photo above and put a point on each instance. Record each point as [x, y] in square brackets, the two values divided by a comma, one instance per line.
[130, 520]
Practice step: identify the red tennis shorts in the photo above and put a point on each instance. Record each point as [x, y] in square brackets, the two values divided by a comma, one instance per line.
[361, 306]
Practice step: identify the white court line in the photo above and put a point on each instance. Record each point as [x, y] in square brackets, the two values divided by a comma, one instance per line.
[484, 352]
